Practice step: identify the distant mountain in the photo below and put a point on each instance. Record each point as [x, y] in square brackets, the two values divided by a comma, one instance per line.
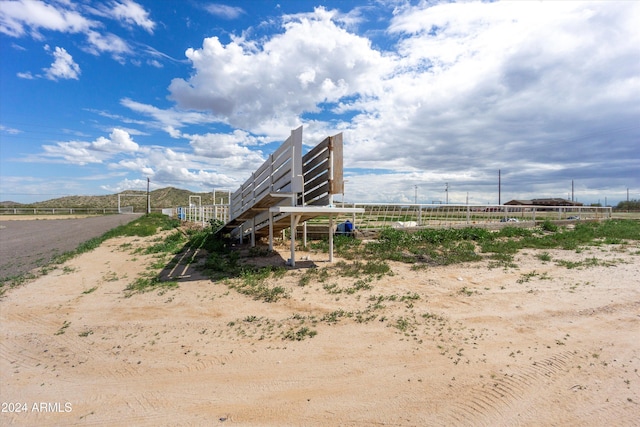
[162, 198]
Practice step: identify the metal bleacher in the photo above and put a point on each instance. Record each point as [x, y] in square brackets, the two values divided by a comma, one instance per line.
[289, 189]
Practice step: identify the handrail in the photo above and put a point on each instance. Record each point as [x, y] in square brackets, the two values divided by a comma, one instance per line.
[280, 173]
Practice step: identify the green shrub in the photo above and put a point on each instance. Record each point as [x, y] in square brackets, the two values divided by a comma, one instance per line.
[252, 282]
[146, 284]
[300, 334]
[549, 226]
[172, 244]
[510, 231]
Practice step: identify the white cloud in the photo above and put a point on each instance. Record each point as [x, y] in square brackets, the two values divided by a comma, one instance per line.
[167, 166]
[169, 119]
[9, 130]
[118, 141]
[468, 87]
[224, 11]
[18, 47]
[213, 160]
[73, 152]
[18, 17]
[26, 75]
[82, 152]
[63, 67]
[312, 62]
[231, 150]
[132, 13]
[138, 164]
[129, 184]
[171, 175]
[109, 43]
[511, 85]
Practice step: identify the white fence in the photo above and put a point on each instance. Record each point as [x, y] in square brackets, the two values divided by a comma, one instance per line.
[380, 215]
[58, 211]
[200, 214]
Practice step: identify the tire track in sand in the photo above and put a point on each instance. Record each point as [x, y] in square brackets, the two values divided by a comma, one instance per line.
[497, 402]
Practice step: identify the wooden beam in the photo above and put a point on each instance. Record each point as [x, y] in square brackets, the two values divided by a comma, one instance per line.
[337, 179]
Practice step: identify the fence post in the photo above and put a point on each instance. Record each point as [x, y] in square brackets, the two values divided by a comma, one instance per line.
[353, 217]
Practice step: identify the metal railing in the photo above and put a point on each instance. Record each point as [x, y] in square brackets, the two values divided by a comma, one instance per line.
[280, 173]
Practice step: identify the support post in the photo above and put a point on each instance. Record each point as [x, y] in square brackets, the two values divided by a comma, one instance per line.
[330, 238]
[304, 234]
[270, 231]
[295, 219]
[292, 244]
[253, 232]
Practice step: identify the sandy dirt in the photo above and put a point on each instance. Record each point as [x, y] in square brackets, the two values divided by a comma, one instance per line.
[478, 344]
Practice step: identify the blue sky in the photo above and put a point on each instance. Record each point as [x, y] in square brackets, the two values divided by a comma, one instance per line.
[98, 96]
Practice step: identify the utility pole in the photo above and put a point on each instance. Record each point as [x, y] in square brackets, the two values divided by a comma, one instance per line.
[446, 192]
[148, 197]
[499, 188]
[572, 199]
[415, 196]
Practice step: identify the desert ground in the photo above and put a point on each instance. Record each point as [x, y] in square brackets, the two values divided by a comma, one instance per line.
[477, 344]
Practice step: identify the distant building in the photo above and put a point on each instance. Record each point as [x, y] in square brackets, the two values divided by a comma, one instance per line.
[543, 202]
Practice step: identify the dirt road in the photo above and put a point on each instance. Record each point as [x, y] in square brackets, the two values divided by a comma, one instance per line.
[25, 245]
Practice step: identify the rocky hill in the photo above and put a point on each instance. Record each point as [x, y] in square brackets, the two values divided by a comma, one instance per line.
[168, 197]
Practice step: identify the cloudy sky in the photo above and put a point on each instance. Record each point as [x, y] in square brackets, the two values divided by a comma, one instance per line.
[98, 96]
